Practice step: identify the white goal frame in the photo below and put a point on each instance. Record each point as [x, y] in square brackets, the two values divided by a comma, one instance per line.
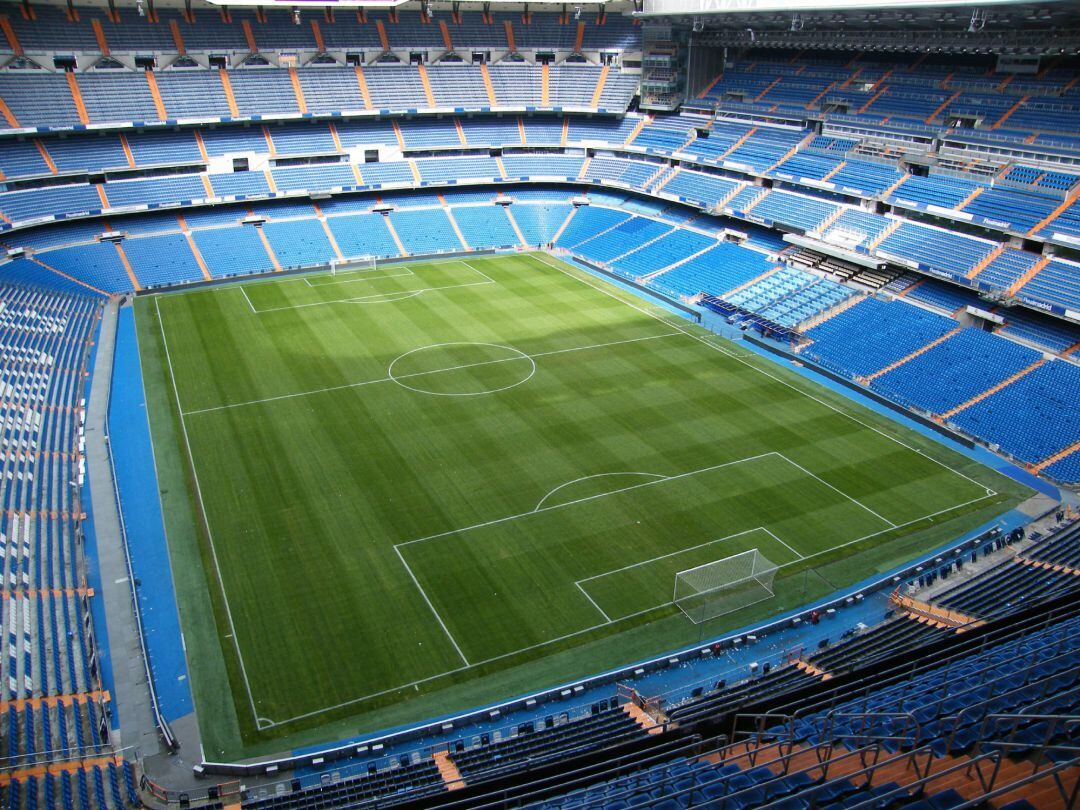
[716, 588]
[353, 263]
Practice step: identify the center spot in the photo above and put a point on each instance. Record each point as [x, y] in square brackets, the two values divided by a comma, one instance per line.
[461, 369]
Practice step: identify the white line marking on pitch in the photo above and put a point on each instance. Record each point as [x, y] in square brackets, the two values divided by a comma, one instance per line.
[362, 383]
[542, 258]
[519, 355]
[582, 631]
[798, 555]
[244, 291]
[835, 489]
[580, 582]
[607, 618]
[380, 298]
[376, 298]
[261, 722]
[597, 475]
[438, 618]
[586, 499]
[675, 553]
[361, 276]
[264, 723]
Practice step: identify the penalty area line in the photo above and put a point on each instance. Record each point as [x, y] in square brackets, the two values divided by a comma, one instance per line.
[593, 602]
[818, 478]
[634, 615]
[434, 612]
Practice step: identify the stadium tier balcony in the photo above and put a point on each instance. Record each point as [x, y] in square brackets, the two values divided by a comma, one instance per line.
[947, 297]
[541, 165]
[790, 296]
[614, 242]
[208, 30]
[1043, 332]
[716, 271]
[318, 176]
[935, 247]
[1016, 581]
[674, 247]
[540, 223]
[865, 178]
[954, 371]
[440, 170]
[55, 709]
[480, 225]
[629, 172]
[493, 131]
[1033, 418]
[431, 133]
[703, 189]
[124, 97]
[806, 165]
[795, 210]
[886, 332]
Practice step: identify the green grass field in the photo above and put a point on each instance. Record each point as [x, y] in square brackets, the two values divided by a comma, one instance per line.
[420, 487]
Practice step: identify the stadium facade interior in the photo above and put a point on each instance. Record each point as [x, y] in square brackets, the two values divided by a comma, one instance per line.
[486, 404]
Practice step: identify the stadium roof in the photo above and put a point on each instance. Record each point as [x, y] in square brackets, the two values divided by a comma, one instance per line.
[751, 6]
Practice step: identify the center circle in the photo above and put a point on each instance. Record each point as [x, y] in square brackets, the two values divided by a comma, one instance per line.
[461, 369]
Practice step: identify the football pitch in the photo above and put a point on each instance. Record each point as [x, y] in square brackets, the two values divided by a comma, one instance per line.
[408, 478]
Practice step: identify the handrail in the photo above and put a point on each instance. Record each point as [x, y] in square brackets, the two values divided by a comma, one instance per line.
[581, 778]
[907, 573]
[1036, 776]
[865, 717]
[783, 760]
[55, 755]
[905, 671]
[956, 719]
[1052, 720]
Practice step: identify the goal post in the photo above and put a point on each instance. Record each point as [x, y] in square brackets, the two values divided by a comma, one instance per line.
[722, 586]
[353, 263]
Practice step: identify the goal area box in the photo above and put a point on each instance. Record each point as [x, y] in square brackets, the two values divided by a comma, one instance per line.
[711, 590]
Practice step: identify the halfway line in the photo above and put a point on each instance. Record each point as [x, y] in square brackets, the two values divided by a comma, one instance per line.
[432, 371]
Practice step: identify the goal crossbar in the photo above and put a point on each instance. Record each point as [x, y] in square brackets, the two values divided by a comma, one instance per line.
[353, 263]
[712, 589]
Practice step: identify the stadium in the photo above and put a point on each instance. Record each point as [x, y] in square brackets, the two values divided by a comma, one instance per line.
[648, 403]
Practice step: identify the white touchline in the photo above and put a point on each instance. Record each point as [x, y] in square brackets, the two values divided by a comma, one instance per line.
[206, 520]
[264, 723]
[701, 339]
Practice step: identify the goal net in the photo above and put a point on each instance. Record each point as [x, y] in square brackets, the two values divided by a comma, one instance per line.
[352, 264]
[719, 587]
